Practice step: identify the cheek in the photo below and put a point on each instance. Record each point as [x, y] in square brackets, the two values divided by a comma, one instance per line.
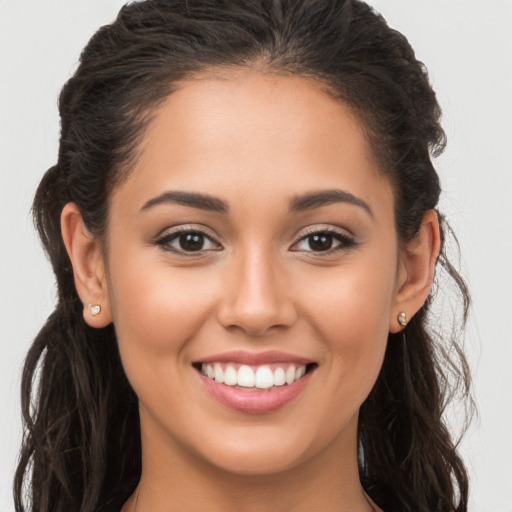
[156, 309]
[354, 298]
[349, 310]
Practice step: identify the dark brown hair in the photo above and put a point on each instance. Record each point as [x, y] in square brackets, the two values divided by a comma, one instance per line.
[82, 436]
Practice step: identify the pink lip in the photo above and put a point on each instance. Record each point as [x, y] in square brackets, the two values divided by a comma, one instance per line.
[254, 402]
[255, 358]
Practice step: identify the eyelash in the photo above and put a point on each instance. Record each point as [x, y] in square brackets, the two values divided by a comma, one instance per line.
[346, 241]
[165, 241]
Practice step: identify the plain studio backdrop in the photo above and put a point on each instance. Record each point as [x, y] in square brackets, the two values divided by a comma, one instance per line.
[467, 48]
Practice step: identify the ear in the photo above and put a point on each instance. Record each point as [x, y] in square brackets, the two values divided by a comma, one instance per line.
[86, 255]
[416, 270]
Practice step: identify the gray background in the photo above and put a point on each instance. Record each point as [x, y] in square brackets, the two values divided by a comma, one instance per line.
[467, 47]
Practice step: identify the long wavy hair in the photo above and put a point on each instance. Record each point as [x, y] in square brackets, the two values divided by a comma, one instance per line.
[81, 446]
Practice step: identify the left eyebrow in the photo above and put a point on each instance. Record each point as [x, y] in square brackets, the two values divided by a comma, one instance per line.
[313, 200]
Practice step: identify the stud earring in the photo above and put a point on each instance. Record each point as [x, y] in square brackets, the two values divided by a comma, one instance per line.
[95, 309]
[402, 319]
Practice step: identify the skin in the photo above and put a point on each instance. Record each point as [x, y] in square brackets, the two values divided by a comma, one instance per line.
[255, 141]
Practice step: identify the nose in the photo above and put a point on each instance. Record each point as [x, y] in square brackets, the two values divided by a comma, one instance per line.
[256, 297]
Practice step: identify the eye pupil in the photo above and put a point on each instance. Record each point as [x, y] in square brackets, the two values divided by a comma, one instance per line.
[320, 242]
[191, 241]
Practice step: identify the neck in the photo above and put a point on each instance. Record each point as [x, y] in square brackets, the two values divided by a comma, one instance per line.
[173, 479]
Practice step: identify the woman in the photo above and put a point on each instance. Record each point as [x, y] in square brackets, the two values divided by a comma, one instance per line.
[242, 221]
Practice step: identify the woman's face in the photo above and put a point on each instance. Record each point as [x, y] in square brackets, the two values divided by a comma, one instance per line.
[254, 238]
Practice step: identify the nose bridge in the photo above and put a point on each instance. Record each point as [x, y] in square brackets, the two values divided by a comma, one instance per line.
[256, 298]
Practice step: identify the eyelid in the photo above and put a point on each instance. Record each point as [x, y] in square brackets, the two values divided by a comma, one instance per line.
[347, 239]
[319, 228]
[164, 238]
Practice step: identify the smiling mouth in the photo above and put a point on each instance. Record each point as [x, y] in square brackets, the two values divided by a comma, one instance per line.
[264, 377]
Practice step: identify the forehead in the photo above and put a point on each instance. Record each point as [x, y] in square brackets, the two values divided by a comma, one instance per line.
[253, 134]
[254, 108]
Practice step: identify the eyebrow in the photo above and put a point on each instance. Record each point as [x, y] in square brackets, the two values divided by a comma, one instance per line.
[301, 203]
[313, 200]
[192, 199]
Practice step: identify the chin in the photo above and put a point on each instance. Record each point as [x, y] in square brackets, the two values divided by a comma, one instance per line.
[257, 462]
[269, 449]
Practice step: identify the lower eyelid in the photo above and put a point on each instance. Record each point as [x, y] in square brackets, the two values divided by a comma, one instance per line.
[345, 241]
[167, 238]
[334, 233]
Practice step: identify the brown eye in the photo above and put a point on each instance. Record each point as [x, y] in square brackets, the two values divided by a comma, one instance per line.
[321, 242]
[188, 241]
[324, 242]
[191, 241]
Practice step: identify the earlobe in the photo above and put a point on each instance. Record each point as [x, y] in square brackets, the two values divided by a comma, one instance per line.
[86, 255]
[417, 264]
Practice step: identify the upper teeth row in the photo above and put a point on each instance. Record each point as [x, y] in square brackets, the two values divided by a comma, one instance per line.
[246, 377]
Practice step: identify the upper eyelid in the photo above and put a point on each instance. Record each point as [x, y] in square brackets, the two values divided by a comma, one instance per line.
[345, 239]
[299, 237]
[176, 230]
[165, 238]
[203, 230]
[327, 229]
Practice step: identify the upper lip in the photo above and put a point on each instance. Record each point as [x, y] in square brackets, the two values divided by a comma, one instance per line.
[255, 358]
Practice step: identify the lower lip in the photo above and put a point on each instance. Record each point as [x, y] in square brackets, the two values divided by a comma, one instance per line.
[255, 402]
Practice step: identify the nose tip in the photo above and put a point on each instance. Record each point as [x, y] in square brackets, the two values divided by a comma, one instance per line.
[254, 319]
[256, 301]
[256, 313]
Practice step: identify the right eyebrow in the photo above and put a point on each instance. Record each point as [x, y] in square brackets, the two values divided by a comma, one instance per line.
[192, 199]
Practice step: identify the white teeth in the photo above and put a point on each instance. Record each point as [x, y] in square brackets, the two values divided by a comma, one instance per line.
[290, 374]
[245, 376]
[261, 377]
[264, 377]
[299, 372]
[279, 377]
[230, 376]
[218, 373]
